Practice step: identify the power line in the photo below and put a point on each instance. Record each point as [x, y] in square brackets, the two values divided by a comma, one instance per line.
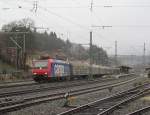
[98, 19]
[61, 27]
[87, 28]
[64, 18]
[45, 19]
[131, 26]
[35, 5]
[79, 7]
[123, 26]
[111, 6]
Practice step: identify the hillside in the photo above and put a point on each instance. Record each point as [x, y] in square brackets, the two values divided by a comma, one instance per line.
[20, 44]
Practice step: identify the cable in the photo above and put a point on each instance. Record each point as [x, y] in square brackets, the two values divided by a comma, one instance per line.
[57, 15]
[108, 6]
[64, 18]
[101, 6]
[53, 27]
[131, 26]
[111, 6]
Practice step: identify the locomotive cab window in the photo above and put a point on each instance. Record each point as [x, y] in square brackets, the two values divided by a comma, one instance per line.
[40, 64]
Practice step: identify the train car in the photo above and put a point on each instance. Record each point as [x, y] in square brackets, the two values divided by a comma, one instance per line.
[52, 69]
[49, 69]
[79, 69]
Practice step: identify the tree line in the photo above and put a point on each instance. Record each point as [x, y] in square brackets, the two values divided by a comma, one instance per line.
[36, 41]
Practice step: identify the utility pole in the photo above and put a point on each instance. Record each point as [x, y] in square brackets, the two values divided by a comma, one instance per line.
[91, 71]
[24, 50]
[18, 48]
[24, 43]
[21, 50]
[116, 53]
[90, 52]
[91, 34]
[67, 50]
[144, 50]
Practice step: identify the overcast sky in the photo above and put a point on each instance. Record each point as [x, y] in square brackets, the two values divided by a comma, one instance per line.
[130, 21]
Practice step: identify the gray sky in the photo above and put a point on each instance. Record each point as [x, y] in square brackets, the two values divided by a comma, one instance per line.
[130, 21]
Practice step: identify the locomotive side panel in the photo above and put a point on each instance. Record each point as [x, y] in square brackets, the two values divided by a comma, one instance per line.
[60, 70]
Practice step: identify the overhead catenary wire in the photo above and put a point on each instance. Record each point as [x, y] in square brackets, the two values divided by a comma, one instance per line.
[66, 19]
[83, 7]
[70, 21]
[111, 5]
[80, 6]
[79, 25]
[60, 16]
[63, 19]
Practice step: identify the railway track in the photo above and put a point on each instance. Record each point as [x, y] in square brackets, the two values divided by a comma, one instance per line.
[26, 102]
[42, 89]
[107, 105]
[140, 111]
[17, 84]
[29, 83]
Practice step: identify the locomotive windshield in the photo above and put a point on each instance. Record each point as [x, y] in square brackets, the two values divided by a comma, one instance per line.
[40, 64]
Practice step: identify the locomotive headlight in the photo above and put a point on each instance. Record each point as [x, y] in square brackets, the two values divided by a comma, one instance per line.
[34, 73]
[45, 73]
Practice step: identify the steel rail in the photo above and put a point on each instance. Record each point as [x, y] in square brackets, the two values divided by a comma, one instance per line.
[47, 88]
[17, 84]
[140, 111]
[37, 100]
[28, 83]
[15, 93]
[81, 91]
[89, 105]
[113, 108]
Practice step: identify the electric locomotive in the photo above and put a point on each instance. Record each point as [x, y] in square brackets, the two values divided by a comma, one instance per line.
[49, 69]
